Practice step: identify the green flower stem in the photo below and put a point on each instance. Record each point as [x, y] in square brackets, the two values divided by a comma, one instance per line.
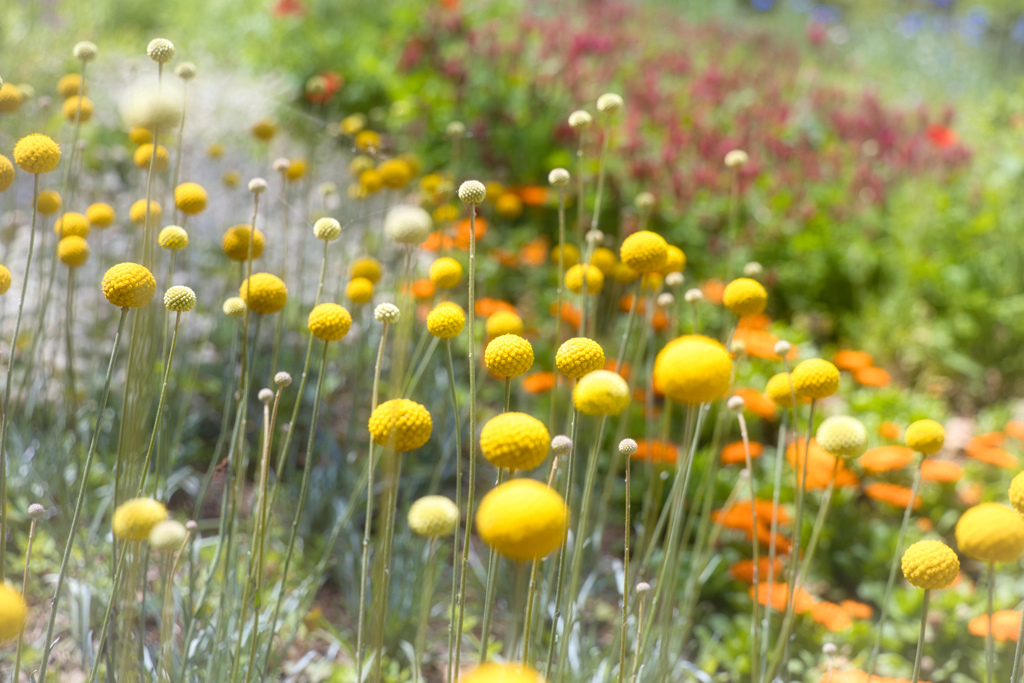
[531, 593]
[558, 305]
[425, 601]
[776, 492]
[24, 591]
[920, 638]
[625, 584]
[224, 424]
[159, 406]
[458, 505]
[579, 188]
[84, 477]
[754, 543]
[1014, 677]
[383, 572]
[989, 651]
[181, 145]
[414, 379]
[734, 201]
[69, 349]
[115, 587]
[493, 564]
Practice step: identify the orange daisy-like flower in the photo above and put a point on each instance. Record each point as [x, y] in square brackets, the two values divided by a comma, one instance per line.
[820, 466]
[534, 253]
[850, 360]
[714, 291]
[756, 402]
[744, 569]
[539, 382]
[423, 288]
[658, 452]
[462, 232]
[1005, 625]
[764, 539]
[889, 430]
[761, 344]
[831, 616]
[857, 610]
[872, 377]
[758, 321]
[992, 455]
[942, 471]
[778, 593]
[532, 195]
[504, 257]
[1015, 429]
[626, 303]
[893, 494]
[570, 314]
[886, 458]
[735, 453]
[988, 440]
[486, 307]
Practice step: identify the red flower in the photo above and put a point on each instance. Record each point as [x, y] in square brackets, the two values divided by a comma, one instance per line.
[332, 82]
[941, 136]
[289, 8]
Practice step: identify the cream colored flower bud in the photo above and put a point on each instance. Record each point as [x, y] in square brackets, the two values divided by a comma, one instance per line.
[327, 229]
[609, 103]
[782, 348]
[186, 71]
[561, 444]
[266, 395]
[455, 129]
[736, 158]
[693, 296]
[674, 279]
[665, 300]
[645, 202]
[257, 186]
[580, 120]
[628, 447]
[280, 164]
[85, 51]
[36, 510]
[386, 313]
[160, 50]
[753, 269]
[559, 177]
[282, 379]
[472, 192]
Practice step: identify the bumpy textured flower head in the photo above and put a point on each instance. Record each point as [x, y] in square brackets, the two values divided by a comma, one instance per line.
[77, 108]
[359, 290]
[48, 202]
[446, 272]
[180, 299]
[100, 215]
[433, 517]
[186, 71]
[925, 436]
[134, 519]
[446, 320]
[140, 136]
[744, 296]
[736, 158]
[693, 369]
[282, 379]
[387, 313]
[190, 198]
[129, 285]
[71, 223]
[559, 177]
[574, 279]
[502, 673]
[73, 251]
[1017, 493]
[168, 536]
[367, 267]
[503, 322]
[408, 224]
[257, 185]
[400, 424]
[154, 109]
[522, 520]
[472, 192]
[137, 212]
[13, 613]
[675, 263]
[329, 322]
[990, 532]
[609, 103]
[514, 440]
[396, 173]
[578, 356]
[931, 565]
[85, 51]
[579, 119]
[36, 153]
[6, 173]
[601, 392]
[11, 98]
[160, 50]
[628, 447]
[815, 378]
[778, 390]
[644, 251]
[234, 307]
[5, 279]
[843, 436]
[327, 229]
[235, 242]
[508, 355]
[645, 202]
[264, 293]
[143, 157]
[561, 444]
[173, 237]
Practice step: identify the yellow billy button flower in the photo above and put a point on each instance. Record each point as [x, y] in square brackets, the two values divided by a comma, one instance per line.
[359, 290]
[574, 279]
[501, 673]
[1016, 487]
[173, 237]
[168, 536]
[180, 299]
[675, 262]
[6, 173]
[990, 532]
[433, 517]
[139, 135]
[13, 613]
[143, 156]
[71, 223]
[931, 565]
[522, 519]
[514, 440]
[190, 198]
[778, 390]
[843, 436]
[11, 98]
[264, 293]
[36, 153]
[503, 322]
[601, 392]
[69, 85]
[367, 267]
[73, 251]
[400, 424]
[508, 355]
[70, 109]
[134, 519]
[570, 255]
[5, 279]
[100, 215]
[744, 296]
[235, 243]
[446, 320]
[693, 369]
[815, 378]
[644, 251]
[604, 259]
[129, 285]
[48, 203]
[925, 436]
[137, 212]
[329, 322]
[445, 272]
[233, 307]
[578, 356]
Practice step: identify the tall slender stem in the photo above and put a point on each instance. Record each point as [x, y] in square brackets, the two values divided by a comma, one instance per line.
[558, 304]
[24, 590]
[989, 651]
[114, 589]
[69, 348]
[754, 543]
[1014, 677]
[625, 582]
[458, 505]
[920, 638]
[493, 561]
[159, 406]
[426, 599]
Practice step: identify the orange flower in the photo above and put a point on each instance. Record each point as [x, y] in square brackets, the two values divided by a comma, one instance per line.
[924, 524]
[423, 288]
[893, 494]
[1005, 625]
[659, 321]
[436, 240]
[943, 471]
[609, 364]
[756, 402]
[819, 466]
[831, 616]
[734, 453]
[535, 252]
[970, 495]
[990, 439]
[779, 592]
[761, 344]
[486, 307]
[532, 195]
[539, 382]
[858, 676]
[758, 321]
[744, 569]
[764, 538]
[1015, 429]
[714, 291]
[570, 314]
[658, 452]
[504, 257]
[626, 303]
[889, 430]
[872, 377]
[850, 360]
[992, 456]
[737, 517]
[886, 458]
[857, 610]
[462, 232]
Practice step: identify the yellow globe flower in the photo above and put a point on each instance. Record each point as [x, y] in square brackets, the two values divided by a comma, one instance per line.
[100, 215]
[367, 267]
[367, 141]
[605, 260]
[675, 261]
[73, 251]
[264, 293]
[10, 99]
[5, 279]
[644, 251]
[13, 613]
[140, 136]
[652, 282]
[433, 517]
[843, 436]
[522, 519]
[179, 299]
[35, 153]
[446, 272]
[48, 202]
[925, 436]
[233, 307]
[173, 237]
[352, 124]
[264, 130]
[231, 178]
[134, 519]
[446, 320]
[990, 532]
[400, 424]
[6, 173]
[359, 290]
[778, 390]
[69, 85]
[190, 198]
[744, 296]
[571, 255]
[296, 169]
[501, 673]
[693, 369]
[516, 441]
[931, 565]
[578, 356]
[129, 285]
[503, 322]
[509, 206]
[371, 181]
[395, 173]
[601, 392]
[508, 355]
[1016, 484]
[574, 279]
[329, 322]
[137, 212]
[235, 242]
[815, 378]
[70, 109]
[144, 156]
[71, 223]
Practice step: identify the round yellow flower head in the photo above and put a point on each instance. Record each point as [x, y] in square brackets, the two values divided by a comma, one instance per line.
[168, 536]
[137, 212]
[400, 424]
[744, 296]
[446, 272]
[10, 99]
[675, 261]
[329, 322]
[100, 215]
[352, 124]
[508, 355]
[503, 322]
[48, 203]
[578, 356]
[574, 279]
[13, 613]
[446, 320]
[140, 135]
[6, 173]
[73, 251]
[235, 242]
[693, 369]
[644, 252]
[367, 141]
[5, 279]
[371, 181]
[601, 392]
[359, 290]
[778, 390]
[360, 163]
[514, 440]
[134, 519]
[522, 520]
[605, 260]
[925, 436]
[234, 307]
[180, 299]
[296, 169]
[129, 285]
[367, 267]
[990, 532]
[264, 130]
[231, 178]
[843, 436]
[931, 565]
[71, 111]
[569, 254]
[71, 223]
[623, 274]
[69, 85]
[501, 673]
[173, 237]
[433, 517]
[1016, 485]
[143, 156]
[509, 206]
[815, 378]
[190, 198]
[264, 293]
[36, 153]
[395, 173]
